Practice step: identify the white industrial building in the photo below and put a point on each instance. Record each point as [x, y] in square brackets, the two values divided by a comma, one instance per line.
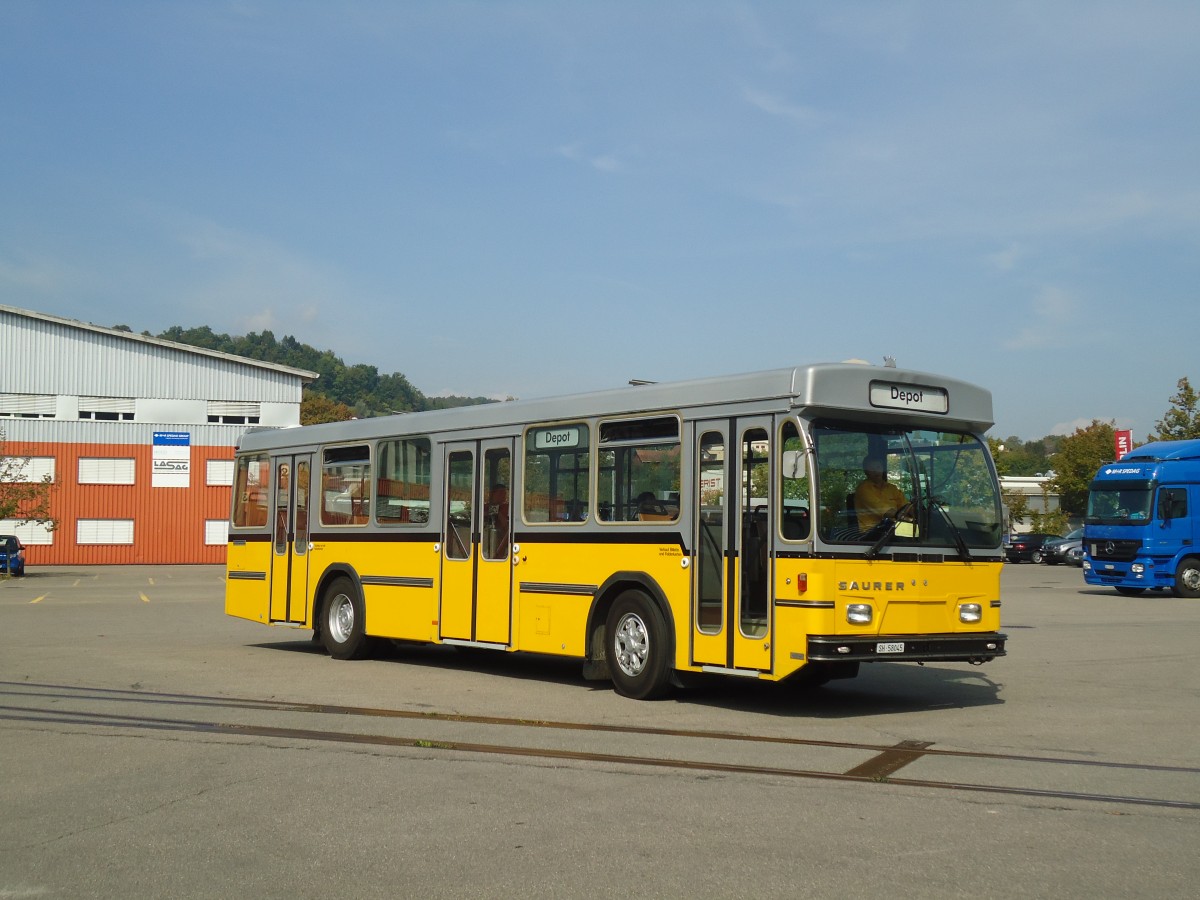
[136, 433]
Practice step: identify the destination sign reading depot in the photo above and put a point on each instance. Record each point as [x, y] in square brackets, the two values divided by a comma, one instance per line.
[889, 395]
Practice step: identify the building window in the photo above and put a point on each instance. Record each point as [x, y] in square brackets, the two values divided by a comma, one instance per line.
[226, 412]
[28, 533]
[219, 473]
[104, 531]
[106, 471]
[28, 406]
[216, 532]
[28, 469]
[106, 409]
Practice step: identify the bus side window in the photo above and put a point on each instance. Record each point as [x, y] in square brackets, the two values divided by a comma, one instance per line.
[250, 492]
[346, 485]
[795, 521]
[557, 484]
[640, 466]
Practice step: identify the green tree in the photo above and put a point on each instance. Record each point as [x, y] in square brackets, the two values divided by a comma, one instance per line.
[1016, 457]
[1076, 462]
[317, 408]
[1182, 420]
[21, 499]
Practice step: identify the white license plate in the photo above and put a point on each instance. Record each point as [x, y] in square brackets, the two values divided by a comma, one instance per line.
[890, 648]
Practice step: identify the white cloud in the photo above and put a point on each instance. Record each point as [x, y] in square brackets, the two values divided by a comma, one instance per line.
[1006, 260]
[1052, 320]
[606, 162]
[779, 107]
[42, 276]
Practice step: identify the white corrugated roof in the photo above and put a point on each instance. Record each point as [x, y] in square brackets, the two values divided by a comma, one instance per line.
[303, 374]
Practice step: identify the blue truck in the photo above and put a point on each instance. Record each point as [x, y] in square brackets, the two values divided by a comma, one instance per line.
[1143, 521]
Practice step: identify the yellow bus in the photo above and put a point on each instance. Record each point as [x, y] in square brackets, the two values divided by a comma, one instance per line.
[784, 524]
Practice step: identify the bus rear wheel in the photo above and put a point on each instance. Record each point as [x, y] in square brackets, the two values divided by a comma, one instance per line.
[343, 621]
[1187, 578]
[639, 647]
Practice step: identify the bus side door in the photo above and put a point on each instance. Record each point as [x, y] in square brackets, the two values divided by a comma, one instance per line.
[476, 601]
[731, 603]
[289, 537]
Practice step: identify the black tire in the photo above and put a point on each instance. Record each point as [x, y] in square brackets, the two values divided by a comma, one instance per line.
[1131, 592]
[1187, 578]
[638, 645]
[344, 620]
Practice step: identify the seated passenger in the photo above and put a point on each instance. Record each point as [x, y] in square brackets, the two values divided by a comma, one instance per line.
[876, 498]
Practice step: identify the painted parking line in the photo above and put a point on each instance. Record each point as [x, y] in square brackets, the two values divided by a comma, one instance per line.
[145, 599]
[39, 599]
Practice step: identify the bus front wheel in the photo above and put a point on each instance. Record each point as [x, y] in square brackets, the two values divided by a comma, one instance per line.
[639, 647]
[343, 622]
[1187, 578]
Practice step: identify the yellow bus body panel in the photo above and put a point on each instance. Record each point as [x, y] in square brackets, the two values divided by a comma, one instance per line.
[247, 580]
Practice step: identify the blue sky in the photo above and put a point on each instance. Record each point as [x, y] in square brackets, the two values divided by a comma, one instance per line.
[546, 197]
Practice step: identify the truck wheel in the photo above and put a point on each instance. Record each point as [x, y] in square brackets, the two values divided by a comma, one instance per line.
[638, 647]
[1187, 578]
[344, 621]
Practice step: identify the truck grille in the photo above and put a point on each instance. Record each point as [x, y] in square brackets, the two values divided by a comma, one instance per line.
[1113, 551]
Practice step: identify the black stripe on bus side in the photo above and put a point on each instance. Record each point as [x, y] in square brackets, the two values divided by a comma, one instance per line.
[399, 537]
[554, 536]
[396, 581]
[538, 587]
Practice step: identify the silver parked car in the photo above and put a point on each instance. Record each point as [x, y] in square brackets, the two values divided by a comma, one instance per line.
[1055, 551]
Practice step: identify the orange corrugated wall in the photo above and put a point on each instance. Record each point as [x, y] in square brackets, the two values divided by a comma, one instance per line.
[168, 522]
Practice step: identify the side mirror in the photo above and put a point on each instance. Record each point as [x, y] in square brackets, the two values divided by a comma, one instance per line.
[793, 464]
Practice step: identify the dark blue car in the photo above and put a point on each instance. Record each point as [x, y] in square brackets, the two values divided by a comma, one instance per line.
[12, 555]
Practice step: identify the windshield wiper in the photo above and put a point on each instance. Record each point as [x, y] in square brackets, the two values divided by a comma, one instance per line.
[888, 530]
[956, 533]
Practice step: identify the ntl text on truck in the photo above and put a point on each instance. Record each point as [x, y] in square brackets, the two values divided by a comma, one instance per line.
[1143, 521]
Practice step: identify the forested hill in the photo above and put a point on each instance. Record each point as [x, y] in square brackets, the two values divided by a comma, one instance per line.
[360, 387]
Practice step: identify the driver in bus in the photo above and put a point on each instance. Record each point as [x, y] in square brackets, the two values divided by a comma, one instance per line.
[876, 498]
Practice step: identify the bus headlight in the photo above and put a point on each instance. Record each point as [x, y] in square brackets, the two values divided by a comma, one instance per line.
[970, 613]
[1137, 568]
[859, 613]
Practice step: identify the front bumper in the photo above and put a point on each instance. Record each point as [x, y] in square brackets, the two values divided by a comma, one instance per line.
[916, 648]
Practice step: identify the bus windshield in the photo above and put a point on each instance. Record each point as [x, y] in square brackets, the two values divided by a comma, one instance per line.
[916, 487]
[1119, 503]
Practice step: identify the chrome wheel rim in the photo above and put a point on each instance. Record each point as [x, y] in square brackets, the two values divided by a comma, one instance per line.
[341, 618]
[1191, 578]
[632, 644]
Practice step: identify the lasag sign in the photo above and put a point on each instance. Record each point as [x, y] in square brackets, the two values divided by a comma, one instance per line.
[171, 464]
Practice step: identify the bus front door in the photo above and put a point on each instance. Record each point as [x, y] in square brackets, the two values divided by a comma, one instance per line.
[289, 558]
[731, 612]
[476, 601]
